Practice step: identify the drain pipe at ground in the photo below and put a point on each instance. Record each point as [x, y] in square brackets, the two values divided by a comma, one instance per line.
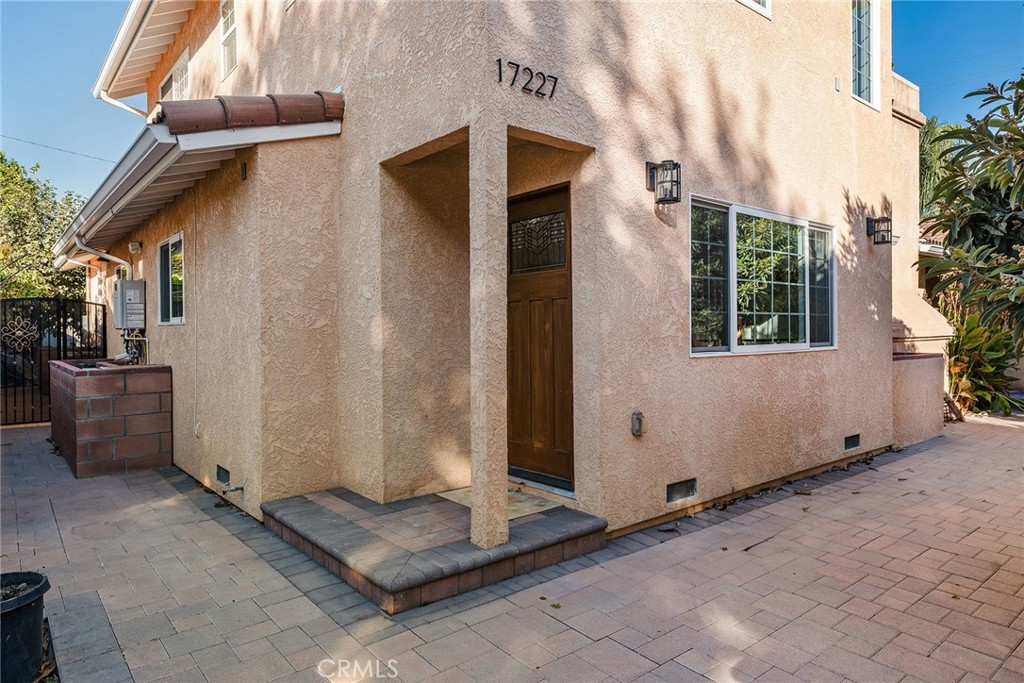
[106, 257]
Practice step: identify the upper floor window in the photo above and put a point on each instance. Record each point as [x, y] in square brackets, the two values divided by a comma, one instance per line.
[760, 6]
[171, 265]
[759, 281]
[228, 38]
[865, 45]
[175, 86]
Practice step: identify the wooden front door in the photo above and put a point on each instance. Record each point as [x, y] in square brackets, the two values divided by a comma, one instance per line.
[540, 338]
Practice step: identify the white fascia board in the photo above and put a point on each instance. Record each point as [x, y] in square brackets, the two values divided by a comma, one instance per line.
[235, 138]
[127, 34]
[152, 146]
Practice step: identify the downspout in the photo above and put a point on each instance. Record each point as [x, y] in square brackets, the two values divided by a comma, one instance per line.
[106, 257]
[121, 105]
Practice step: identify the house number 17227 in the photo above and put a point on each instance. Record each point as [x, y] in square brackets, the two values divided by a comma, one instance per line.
[530, 80]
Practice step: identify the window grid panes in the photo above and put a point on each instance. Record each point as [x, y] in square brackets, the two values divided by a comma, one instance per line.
[862, 49]
[709, 283]
[228, 45]
[820, 286]
[172, 281]
[176, 85]
[770, 277]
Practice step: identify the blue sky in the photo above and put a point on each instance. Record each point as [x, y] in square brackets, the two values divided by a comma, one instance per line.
[51, 53]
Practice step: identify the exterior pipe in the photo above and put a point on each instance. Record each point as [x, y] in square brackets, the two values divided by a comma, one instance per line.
[121, 105]
[83, 264]
[106, 257]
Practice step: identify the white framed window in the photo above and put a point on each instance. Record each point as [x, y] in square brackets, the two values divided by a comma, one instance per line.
[175, 86]
[228, 38]
[120, 272]
[171, 267]
[759, 281]
[762, 7]
[865, 45]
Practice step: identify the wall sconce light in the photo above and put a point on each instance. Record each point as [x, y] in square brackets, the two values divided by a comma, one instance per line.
[665, 181]
[135, 247]
[880, 229]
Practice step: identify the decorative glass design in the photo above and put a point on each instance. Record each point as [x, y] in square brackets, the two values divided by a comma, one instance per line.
[537, 243]
[18, 334]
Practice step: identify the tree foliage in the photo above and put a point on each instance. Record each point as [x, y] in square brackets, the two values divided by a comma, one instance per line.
[33, 215]
[977, 211]
[931, 150]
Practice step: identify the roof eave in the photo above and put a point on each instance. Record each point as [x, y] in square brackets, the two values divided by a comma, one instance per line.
[152, 153]
[133, 21]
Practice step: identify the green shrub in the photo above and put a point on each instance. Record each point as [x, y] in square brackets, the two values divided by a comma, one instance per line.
[979, 359]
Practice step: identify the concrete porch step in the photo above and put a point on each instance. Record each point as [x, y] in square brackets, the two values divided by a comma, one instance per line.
[416, 551]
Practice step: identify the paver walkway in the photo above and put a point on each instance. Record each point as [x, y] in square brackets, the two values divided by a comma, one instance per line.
[909, 569]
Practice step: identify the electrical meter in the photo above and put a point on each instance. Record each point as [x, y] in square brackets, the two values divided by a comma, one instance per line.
[129, 304]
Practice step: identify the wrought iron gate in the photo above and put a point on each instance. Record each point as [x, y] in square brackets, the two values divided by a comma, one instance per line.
[34, 332]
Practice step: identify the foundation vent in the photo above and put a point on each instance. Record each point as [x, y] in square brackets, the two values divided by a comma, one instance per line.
[851, 442]
[681, 490]
[223, 475]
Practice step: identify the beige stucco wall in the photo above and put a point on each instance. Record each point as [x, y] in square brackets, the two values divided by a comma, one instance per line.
[217, 347]
[748, 106]
[259, 321]
[917, 327]
[917, 398]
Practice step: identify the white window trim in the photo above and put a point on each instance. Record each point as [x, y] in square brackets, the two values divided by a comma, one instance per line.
[876, 59]
[764, 10]
[833, 269]
[179, 66]
[736, 350]
[224, 36]
[159, 284]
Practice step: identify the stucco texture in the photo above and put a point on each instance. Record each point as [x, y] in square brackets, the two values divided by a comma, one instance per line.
[917, 398]
[388, 249]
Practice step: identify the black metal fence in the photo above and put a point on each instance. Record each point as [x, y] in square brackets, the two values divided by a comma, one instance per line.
[34, 332]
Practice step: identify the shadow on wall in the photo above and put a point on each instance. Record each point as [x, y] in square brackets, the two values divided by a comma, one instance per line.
[717, 130]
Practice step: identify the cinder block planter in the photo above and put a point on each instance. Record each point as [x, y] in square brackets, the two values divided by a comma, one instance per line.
[111, 419]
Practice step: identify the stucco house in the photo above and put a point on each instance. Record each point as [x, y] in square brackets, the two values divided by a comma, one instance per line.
[437, 255]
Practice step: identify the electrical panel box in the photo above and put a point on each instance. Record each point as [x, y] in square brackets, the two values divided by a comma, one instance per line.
[129, 304]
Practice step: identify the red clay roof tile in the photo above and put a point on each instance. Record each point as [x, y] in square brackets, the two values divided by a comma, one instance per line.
[236, 111]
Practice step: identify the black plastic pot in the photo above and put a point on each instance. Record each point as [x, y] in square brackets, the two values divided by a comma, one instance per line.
[21, 628]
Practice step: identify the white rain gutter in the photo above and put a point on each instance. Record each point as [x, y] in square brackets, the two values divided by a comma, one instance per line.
[121, 105]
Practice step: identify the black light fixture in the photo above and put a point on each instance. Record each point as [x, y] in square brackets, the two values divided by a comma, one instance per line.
[665, 181]
[880, 229]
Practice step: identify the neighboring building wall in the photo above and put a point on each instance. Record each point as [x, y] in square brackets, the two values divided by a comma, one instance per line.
[747, 104]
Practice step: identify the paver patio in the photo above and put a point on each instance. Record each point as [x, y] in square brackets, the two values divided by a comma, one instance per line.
[910, 568]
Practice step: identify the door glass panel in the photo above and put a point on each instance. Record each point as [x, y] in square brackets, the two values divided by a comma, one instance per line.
[537, 243]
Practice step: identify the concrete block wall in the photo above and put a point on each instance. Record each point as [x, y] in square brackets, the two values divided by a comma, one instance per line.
[111, 419]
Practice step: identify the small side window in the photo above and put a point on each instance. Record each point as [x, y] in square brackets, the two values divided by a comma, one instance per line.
[172, 280]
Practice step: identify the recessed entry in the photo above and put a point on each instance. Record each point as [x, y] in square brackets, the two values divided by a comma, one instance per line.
[680, 490]
[851, 442]
[223, 475]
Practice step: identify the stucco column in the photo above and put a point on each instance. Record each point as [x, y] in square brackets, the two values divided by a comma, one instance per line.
[488, 336]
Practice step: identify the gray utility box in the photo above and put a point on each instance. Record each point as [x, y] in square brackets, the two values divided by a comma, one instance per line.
[129, 304]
